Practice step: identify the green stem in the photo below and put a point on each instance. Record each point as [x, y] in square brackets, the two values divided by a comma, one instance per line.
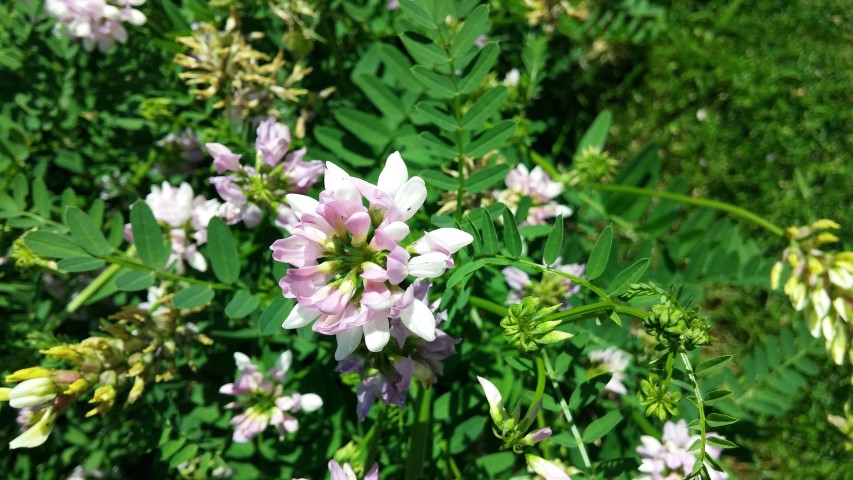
[91, 288]
[166, 275]
[488, 305]
[700, 202]
[699, 405]
[419, 440]
[564, 406]
[540, 382]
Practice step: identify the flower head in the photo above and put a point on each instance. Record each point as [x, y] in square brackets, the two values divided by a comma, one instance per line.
[670, 457]
[351, 267]
[261, 396]
[346, 472]
[538, 186]
[185, 217]
[95, 22]
[248, 190]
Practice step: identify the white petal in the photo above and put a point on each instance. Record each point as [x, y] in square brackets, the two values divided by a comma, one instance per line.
[301, 204]
[394, 175]
[300, 316]
[396, 231]
[348, 341]
[376, 334]
[285, 360]
[493, 395]
[546, 469]
[453, 238]
[242, 360]
[198, 262]
[410, 197]
[338, 181]
[418, 318]
[429, 265]
[311, 402]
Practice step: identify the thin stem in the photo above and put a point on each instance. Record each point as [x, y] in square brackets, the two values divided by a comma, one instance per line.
[168, 276]
[91, 288]
[564, 406]
[700, 202]
[540, 382]
[699, 405]
[488, 305]
[376, 436]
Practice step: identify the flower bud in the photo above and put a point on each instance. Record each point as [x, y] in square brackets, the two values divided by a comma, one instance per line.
[32, 392]
[527, 326]
[27, 374]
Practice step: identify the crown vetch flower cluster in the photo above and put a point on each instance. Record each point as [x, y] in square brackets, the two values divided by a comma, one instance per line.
[263, 400]
[670, 457]
[248, 190]
[96, 22]
[536, 184]
[185, 217]
[351, 272]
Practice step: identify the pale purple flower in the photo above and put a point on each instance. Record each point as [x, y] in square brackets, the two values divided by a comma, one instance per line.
[350, 266]
[392, 4]
[552, 289]
[95, 22]
[669, 457]
[185, 217]
[261, 396]
[616, 361]
[249, 190]
[536, 184]
[346, 472]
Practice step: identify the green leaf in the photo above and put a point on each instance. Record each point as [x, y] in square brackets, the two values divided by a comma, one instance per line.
[80, 264]
[512, 239]
[710, 366]
[554, 243]
[596, 134]
[600, 254]
[84, 230]
[628, 276]
[368, 128]
[492, 139]
[485, 106]
[439, 179]
[435, 116]
[476, 72]
[720, 442]
[222, 250]
[148, 237]
[715, 396]
[340, 144]
[186, 453]
[274, 315]
[417, 14]
[41, 198]
[461, 273]
[475, 25]
[486, 178]
[719, 420]
[382, 97]
[134, 280]
[52, 245]
[423, 49]
[490, 236]
[601, 426]
[192, 296]
[171, 447]
[437, 86]
[441, 146]
[242, 304]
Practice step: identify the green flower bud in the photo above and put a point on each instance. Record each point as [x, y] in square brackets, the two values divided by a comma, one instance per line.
[527, 326]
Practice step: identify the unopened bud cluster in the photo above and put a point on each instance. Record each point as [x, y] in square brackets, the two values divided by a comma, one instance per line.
[527, 326]
[670, 323]
[590, 166]
[655, 395]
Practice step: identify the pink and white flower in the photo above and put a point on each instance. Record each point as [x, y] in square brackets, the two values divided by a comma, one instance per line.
[351, 271]
[261, 396]
[345, 472]
[616, 362]
[248, 190]
[536, 184]
[95, 22]
[669, 458]
[185, 217]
